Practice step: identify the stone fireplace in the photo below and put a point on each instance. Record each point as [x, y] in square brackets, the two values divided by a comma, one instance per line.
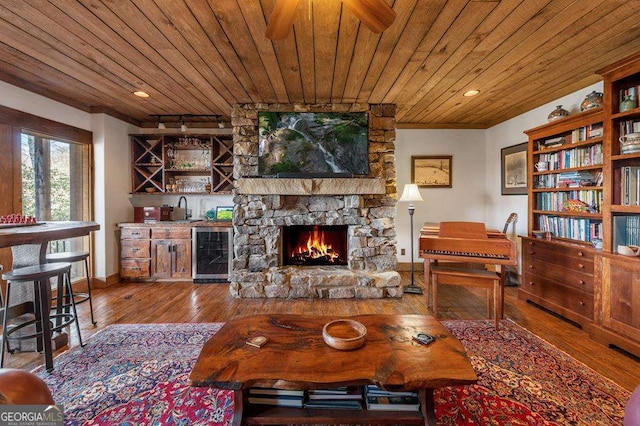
[270, 210]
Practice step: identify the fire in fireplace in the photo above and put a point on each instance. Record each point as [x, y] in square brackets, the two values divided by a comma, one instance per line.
[314, 245]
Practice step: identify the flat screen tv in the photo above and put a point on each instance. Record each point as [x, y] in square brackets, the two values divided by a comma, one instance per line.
[313, 144]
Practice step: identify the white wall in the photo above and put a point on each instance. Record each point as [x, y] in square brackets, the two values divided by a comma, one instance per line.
[465, 200]
[25, 101]
[111, 189]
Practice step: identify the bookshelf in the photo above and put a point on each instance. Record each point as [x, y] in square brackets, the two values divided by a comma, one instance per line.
[566, 173]
[617, 306]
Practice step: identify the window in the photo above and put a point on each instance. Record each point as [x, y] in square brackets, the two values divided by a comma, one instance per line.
[56, 184]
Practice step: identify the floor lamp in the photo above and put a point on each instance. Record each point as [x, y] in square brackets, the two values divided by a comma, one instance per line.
[410, 194]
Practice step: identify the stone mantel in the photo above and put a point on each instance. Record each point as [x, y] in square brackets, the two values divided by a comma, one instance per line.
[313, 186]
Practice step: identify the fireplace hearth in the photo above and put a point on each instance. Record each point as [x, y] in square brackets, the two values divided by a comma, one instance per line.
[314, 245]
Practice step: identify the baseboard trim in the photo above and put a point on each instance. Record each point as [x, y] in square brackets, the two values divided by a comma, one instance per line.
[105, 282]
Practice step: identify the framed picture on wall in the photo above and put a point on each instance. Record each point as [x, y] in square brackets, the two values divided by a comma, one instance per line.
[432, 171]
[514, 169]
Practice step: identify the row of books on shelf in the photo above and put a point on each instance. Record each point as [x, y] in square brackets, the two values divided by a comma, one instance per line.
[630, 186]
[575, 157]
[573, 179]
[629, 126]
[569, 227]
[578, 201]
[343, 398]
[626, 230]
[580, 134]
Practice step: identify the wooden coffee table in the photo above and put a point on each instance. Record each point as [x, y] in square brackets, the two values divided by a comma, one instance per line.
[296, 357]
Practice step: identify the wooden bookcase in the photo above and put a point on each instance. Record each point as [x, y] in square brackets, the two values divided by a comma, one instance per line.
[182, 164]
[617, 299]
[565, 201]
[566, 195]
[597, 289]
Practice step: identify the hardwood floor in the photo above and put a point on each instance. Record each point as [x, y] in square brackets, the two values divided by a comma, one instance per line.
[186, 302]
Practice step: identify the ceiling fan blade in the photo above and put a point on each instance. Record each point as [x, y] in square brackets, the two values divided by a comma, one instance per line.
[281, 20]
[375, 14]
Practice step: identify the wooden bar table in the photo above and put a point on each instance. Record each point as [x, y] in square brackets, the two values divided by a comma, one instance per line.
[296, 357]
[29, 247]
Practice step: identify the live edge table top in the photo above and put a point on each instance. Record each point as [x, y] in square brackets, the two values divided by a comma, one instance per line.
[296, 356]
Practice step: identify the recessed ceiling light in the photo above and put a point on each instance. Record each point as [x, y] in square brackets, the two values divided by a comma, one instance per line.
[471, 93]
[141, 94]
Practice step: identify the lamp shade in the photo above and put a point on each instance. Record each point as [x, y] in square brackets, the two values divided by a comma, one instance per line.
[411, 193]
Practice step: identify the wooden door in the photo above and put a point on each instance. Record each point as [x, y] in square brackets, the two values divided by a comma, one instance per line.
[182, 258]
[620, 296]
[161, 258]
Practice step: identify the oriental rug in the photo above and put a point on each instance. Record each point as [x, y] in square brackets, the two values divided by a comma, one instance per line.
[138, 375]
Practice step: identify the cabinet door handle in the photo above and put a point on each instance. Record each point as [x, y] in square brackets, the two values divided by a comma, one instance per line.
[530, 266]
[580, 265]
[581, 282]
[135, 249]
[581, 303]
[137, 234]
[532, 283]
[532, 252]
[135, 268]
[580, 254]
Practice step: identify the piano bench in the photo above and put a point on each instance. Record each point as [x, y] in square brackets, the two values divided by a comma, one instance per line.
[469, 277]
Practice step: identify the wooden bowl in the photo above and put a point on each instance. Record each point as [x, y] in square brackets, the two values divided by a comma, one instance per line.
[150, 190]
[344, 334]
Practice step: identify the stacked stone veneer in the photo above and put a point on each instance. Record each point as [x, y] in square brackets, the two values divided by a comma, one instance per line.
[262, 210]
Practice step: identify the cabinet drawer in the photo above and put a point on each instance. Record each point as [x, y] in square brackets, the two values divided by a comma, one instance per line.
[134, 268]
[578, 279]
[136, 248]
[168, 232]
[571, 258]
[574, 300]
[135, 233]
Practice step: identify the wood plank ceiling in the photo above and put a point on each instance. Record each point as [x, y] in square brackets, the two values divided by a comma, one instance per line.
[204, 56]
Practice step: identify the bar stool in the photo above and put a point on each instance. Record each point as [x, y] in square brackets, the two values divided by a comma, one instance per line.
[71, 257]
[39, 275]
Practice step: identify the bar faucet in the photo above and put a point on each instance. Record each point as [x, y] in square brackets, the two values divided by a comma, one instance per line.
[187, 215]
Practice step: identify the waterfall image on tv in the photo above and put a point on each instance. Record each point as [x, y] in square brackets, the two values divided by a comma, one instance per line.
[306, 143]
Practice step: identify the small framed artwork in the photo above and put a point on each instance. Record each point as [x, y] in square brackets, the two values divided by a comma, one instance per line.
[514, 169]
[431, 171]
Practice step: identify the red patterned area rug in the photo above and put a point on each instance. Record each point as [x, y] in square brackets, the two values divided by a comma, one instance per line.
[138, 375]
